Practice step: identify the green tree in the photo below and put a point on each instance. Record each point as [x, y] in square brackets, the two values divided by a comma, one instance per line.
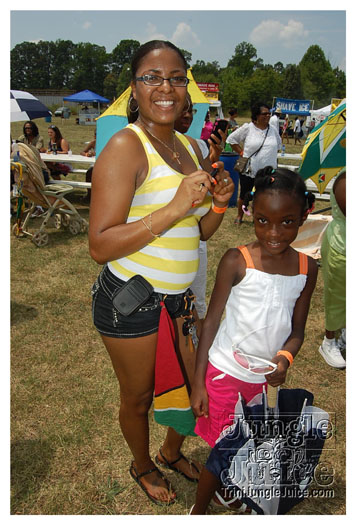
[279, 67]
[61, 57]
[292, 83]
[206, 72]
[25, 60]
[91, 67]
[110, 83]
[242, 60]
[340, 83]
[233, 90]
[318, 79]
[123, 80]
[122, 54]
[187, 55]
[263, 85]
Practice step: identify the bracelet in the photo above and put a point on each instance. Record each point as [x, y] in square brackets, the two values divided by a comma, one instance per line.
[287, 355]
[216, 209]
[150, 226]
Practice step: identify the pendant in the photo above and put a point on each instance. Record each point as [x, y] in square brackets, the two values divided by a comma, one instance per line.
[175, 156]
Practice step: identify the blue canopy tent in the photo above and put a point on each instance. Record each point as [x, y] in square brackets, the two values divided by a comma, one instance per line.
[114, 118]
[87, 115]
[86, 96]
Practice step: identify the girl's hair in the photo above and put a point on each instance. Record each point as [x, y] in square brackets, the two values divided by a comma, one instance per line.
[281, 179]
[57, 134]
[256, 110]
[132, 108]
[34, 128]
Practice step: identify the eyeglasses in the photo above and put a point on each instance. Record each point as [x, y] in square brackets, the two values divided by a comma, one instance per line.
[264, 114]
[256, 365]
[154, 80]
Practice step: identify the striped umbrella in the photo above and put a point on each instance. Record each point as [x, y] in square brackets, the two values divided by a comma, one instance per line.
[24, 106]
[324, 152]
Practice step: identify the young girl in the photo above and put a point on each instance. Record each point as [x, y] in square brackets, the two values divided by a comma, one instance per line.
[266, 289]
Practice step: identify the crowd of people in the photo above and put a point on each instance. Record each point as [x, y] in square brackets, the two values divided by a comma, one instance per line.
[157, 197]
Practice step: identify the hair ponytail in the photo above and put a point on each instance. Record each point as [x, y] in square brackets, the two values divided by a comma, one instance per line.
[310, 201]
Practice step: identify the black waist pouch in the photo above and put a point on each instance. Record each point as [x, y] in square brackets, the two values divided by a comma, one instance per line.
[132, 295]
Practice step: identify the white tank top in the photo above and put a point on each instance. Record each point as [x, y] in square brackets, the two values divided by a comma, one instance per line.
[258, 319]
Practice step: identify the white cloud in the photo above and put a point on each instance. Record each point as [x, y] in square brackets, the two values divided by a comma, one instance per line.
[185, 36]
[153, 34]
[87, 25]
[273, 31]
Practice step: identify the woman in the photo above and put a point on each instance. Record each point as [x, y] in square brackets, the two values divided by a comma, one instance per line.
[207, 129]
[333, 256]
[57, 144]
[261, 143]
[149, 209]
[285, 129]
[32, 136]
[232, 114]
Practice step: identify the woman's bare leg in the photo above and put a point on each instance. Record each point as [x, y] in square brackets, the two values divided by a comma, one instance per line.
[133, 361]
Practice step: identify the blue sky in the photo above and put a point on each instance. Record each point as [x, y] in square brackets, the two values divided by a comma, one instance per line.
[277, 35]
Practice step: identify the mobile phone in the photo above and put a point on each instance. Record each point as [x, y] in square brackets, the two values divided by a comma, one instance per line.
[132, 295]
[213, 173]
[219, 124]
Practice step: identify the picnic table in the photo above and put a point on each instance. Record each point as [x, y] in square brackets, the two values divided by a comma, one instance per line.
[70, 159]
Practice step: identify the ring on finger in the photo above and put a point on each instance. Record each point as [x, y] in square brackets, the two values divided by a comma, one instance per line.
[226, 181]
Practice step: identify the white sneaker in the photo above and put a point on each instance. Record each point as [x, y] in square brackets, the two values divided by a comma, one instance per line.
[341, 342]
[331, 353]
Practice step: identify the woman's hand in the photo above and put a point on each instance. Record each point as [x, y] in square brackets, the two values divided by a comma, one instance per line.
[215, 148]
[191, 192]
[225, 186]
[278, 377]
[199, 401]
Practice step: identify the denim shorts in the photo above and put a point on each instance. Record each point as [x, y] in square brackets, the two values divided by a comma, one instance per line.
[108, 321]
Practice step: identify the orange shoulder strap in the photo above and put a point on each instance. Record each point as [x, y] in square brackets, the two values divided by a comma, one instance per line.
[303, 263]
[246, 256]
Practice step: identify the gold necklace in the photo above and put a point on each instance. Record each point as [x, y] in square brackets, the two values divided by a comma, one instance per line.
[175, 154]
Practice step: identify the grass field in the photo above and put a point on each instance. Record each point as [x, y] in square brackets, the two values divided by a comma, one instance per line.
[68, 456]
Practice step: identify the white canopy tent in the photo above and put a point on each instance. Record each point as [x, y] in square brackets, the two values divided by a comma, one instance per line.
[319, 114]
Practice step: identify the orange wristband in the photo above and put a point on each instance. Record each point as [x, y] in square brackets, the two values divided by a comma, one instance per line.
[288, 355]
[218, 210]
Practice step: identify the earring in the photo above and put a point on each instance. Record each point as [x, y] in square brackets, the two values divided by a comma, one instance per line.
[129, 104]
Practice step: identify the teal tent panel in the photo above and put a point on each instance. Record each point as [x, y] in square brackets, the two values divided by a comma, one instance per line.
[106, 127]
[198, 120]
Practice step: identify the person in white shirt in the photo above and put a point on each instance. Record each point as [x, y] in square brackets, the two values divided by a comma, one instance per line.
[261, 143]
[274, 120]
[297, 128]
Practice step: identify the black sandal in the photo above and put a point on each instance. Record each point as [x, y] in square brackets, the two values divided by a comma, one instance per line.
[165, 463]
[136, 476]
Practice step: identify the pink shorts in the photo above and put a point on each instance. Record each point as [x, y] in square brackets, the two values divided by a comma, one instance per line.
[223, 391]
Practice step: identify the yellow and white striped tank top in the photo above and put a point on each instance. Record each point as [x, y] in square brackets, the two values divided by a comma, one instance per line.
[170, 261]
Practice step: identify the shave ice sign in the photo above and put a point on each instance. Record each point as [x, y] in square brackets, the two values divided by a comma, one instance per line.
[298, 107]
